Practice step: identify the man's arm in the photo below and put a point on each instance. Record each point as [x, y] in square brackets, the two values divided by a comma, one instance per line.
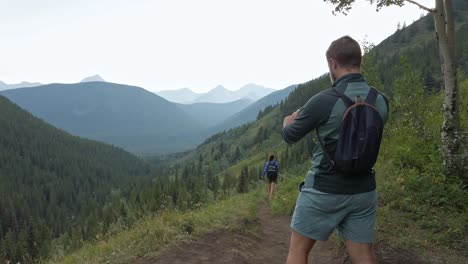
[315, 112]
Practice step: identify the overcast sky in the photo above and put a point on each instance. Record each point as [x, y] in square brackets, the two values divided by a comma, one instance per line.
[171, 44]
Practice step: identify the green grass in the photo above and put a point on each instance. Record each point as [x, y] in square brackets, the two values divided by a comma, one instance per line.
[150, 235]
[422, 213]
[285, 196]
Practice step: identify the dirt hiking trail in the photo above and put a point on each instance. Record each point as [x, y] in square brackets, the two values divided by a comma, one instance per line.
[269, 243]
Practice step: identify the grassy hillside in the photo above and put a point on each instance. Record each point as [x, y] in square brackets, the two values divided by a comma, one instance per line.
[157, 232]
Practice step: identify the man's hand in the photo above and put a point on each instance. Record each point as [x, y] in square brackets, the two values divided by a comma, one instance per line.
[289, 119]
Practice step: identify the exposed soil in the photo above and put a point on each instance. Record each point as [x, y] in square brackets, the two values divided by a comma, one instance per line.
[268, 244]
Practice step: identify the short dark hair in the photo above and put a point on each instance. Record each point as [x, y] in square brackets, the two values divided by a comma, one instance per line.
[346, 51]
[272, 157]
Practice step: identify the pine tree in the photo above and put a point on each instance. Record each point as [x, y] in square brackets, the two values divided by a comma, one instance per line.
[237, 154]
[243, 181]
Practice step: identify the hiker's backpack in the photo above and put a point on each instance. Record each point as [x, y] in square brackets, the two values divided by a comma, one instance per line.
[272, 167]
[359, 137]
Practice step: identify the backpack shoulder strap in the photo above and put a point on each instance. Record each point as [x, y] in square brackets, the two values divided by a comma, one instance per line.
[327, 155]
[372, 96]
[348, 102]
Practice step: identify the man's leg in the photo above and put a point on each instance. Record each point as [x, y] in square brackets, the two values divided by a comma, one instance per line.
[358, 228]
[299, 249]
[361, 253]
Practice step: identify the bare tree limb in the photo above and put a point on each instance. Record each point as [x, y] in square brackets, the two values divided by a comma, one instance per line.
[430, 10]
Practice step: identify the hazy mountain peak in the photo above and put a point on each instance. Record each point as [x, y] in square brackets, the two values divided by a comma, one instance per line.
[250, 86]
[218, 94]
[185, 90]
[5, 86]
[219, 88]
[181, 90]
[94, 78]
[254, 86]
[182, 95]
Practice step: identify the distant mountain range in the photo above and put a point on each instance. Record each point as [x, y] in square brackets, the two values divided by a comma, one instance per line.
[138, 120]
[4, 86]
[250, 113]
[211, 114]
[219, 94]
[123, 115]
[182, 96]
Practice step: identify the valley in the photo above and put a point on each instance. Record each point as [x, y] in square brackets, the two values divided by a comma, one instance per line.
[102, 172]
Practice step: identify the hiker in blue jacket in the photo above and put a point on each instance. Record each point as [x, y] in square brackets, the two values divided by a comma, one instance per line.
[271, 169]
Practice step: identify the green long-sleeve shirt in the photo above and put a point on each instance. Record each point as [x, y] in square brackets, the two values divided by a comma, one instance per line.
[325, 111]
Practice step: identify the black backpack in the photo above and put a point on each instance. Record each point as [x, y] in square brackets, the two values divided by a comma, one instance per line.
[272, 167]
[359, 138]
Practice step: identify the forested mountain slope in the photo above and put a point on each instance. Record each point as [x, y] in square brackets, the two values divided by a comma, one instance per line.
[418, 43]
[52, 182]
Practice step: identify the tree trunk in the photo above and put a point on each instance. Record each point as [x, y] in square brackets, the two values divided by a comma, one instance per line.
[445, 30]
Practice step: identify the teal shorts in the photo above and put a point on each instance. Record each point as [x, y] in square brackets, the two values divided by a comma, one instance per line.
[317, 214]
